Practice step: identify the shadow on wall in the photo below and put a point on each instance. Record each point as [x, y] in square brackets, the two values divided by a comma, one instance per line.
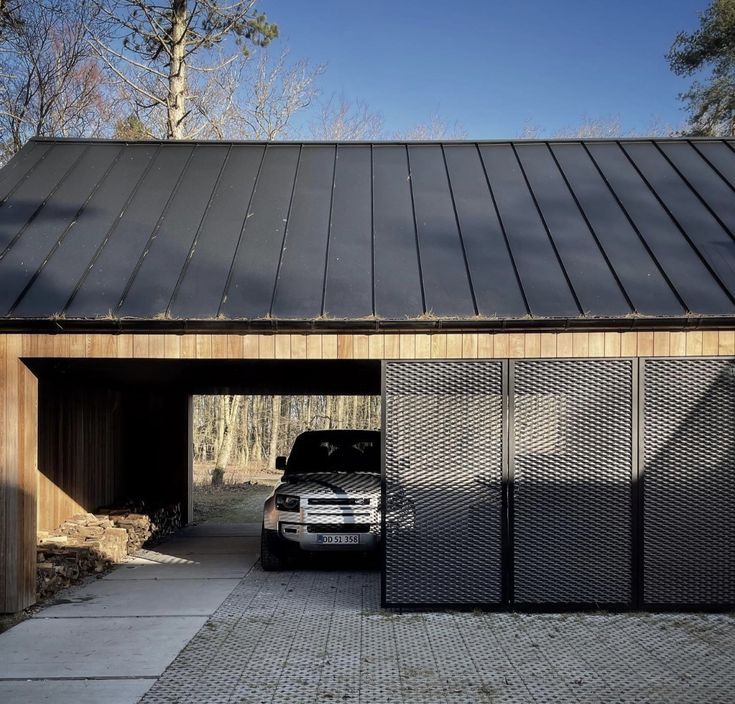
[689, 482]
[104, 447]
[572, 538]
[17, 546]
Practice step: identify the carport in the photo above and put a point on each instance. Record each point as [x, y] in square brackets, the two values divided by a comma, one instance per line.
[552, 323]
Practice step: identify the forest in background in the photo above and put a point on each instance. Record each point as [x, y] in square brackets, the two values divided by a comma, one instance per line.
[219, 69]
[239, 436]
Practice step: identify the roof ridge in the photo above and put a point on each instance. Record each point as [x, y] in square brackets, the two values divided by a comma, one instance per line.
[377, 142]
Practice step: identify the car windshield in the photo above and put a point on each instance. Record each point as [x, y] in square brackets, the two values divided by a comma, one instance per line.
[335, 451]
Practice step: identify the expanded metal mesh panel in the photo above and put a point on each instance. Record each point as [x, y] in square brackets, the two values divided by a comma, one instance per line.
[443, 463]
[573, 459]
[689, 481]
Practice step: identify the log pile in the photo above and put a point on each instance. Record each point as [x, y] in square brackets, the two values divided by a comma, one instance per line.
[83, 544]
[146, 525]
[166, 520]
[91, 543]
[138, 527]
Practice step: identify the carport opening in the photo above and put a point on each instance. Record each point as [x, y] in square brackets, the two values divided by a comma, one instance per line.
[116, 433]
[238, 440]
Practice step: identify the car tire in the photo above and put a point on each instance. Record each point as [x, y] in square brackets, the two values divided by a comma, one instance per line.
[272, 557]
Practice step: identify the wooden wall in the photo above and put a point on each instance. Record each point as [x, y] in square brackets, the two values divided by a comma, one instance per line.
[18, 441]
[80, 451]
[380, 346]
[19, 478]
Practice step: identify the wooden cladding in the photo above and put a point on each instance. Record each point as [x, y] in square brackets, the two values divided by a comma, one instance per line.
[18, 475]
[378, 345]
[80, 451]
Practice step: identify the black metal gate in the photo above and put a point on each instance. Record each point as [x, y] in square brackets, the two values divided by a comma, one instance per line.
[571, 463]
[518, 483]
[444, 440]
[688, 428]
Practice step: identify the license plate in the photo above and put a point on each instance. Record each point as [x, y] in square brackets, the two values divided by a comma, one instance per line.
[340, 539]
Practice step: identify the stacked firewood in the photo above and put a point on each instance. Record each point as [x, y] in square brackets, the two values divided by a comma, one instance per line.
[87, 544]
[137, 526]
[60, 565]
[166, 520]
[146, 525]
[81, 545]
[93, 532]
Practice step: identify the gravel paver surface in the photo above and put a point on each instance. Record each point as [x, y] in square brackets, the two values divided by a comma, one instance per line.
[320, 636]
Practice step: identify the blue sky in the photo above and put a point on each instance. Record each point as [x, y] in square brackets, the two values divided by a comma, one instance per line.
[495, 67]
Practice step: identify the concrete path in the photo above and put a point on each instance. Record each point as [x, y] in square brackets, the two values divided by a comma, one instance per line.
[108, 640]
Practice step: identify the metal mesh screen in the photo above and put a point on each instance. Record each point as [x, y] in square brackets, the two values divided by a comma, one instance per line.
[689, 481]
[573, 461]
[443, 464]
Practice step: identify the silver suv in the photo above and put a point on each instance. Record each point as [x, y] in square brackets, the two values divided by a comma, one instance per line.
[328, 498]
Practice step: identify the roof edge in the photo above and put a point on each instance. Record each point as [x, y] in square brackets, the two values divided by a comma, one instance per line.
[60, 326]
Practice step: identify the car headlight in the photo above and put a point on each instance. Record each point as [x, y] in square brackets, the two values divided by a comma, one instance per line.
[285, 502]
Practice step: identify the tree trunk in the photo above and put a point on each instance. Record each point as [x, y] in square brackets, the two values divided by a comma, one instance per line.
[232, 412]
[176, 99]
[275, 427]
[257, 451]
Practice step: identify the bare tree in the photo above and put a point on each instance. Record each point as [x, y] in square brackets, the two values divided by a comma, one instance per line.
[609, 127]
[229, 411]
[154, 49]
[342, 119]
[253, 99]
[50, 81]
[274, 428]
[435, 128]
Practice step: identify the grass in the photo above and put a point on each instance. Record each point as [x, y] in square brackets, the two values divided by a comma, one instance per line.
[230, 503]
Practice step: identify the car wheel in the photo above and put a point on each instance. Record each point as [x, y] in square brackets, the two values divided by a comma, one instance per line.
[272, 557]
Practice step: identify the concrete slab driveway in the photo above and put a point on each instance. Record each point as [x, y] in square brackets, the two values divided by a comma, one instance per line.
[108, 640]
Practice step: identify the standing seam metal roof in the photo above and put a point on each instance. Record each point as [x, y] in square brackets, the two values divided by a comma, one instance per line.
[475, 232]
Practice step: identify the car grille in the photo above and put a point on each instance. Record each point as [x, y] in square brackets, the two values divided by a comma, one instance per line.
[338, 528]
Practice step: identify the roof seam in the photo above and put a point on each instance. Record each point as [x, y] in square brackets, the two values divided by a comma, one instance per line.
[25, 176]
[228, 280]
[710, 164]
[693, 190]
[631, 222]
[372, 229]
[591, 229]
[110, 231]
[43, 203]
[329, 230]
[416, 232]
[284, 239]
[194, 242]
[503, 231]
[459, 232]
[545, 225]
[66, 230]
[683, 232]
[154, 231]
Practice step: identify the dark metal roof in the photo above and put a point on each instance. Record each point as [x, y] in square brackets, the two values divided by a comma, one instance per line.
[454, 233]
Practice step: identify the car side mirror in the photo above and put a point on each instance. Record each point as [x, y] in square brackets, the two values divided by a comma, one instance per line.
[280, 463]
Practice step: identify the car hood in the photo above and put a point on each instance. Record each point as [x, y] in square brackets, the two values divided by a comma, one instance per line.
[331, 484]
